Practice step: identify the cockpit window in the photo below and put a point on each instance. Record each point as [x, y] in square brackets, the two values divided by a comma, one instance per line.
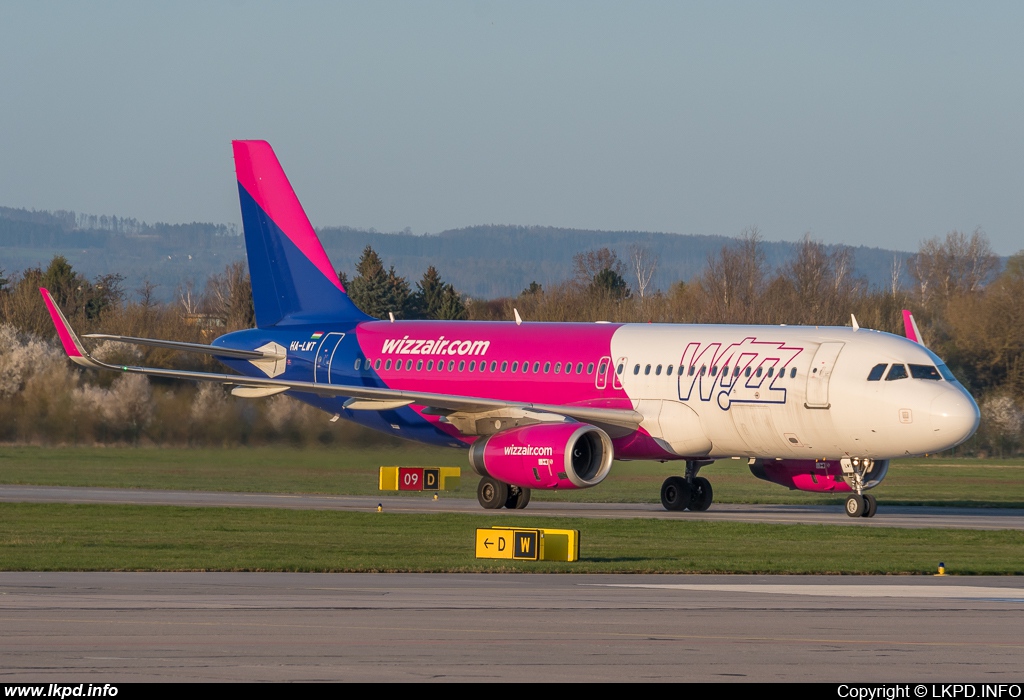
[924, 372]
[876, 372]
[946, 374]
[897, 372]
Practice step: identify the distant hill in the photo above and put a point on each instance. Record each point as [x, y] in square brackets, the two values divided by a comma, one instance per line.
[482, 261]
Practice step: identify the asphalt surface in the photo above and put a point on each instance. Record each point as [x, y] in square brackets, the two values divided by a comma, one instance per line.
[121, 627]
[888, 516]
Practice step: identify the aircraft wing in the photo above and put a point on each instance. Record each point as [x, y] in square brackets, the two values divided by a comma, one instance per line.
[190, 347]
[361, 397]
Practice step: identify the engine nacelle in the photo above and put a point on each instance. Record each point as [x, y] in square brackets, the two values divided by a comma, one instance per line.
[545, 456]
[809, 475]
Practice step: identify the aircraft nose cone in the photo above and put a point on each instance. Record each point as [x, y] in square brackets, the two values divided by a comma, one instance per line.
[954, 416]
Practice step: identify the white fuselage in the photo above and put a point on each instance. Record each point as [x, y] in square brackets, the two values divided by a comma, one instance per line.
[738, 394]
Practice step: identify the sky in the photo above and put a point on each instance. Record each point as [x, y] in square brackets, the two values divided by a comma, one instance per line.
[863, 123]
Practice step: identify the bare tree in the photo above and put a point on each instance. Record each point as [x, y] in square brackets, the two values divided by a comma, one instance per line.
[644, 264]
[958, 264]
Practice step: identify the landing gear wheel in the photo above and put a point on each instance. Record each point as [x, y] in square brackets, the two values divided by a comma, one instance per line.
[492, 493]
[675, 493]
[700, 494]
[870, 506]
[855, 506]
[518, 498]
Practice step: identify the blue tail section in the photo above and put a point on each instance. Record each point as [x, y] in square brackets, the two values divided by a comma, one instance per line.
[293, 281]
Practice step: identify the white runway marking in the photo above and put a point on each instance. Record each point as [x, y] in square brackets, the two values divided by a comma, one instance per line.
[842, 591]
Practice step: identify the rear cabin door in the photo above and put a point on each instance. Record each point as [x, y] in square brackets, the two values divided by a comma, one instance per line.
[819, 373]
[324, 357]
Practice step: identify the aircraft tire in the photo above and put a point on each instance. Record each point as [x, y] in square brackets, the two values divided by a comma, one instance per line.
[701, 494]
[675, 493]
[491, 493]
[855, 506]
[518, 498]
[870, 506]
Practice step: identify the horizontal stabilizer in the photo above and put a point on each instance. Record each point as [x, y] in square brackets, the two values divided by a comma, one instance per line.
[191, 347]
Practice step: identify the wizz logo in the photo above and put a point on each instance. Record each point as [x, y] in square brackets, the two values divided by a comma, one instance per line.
[750, 371]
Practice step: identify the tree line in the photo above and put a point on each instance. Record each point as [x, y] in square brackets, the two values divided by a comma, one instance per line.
[967, 306]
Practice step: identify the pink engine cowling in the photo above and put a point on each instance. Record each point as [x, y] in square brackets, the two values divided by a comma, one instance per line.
[545, 456]
[810, 475]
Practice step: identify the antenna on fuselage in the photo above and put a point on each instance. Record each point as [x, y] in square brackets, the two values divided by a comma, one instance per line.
[519, 319]
[391, 315]
[856, 326]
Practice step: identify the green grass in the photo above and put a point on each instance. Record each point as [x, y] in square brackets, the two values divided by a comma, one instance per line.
[48, 537]
[935, 481]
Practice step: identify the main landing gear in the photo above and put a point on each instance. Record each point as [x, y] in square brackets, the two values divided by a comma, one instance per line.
[493, 494]
[690, 492]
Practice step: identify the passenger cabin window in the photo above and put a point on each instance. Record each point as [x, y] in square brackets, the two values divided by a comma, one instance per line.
[536, 367]
[419, 365]
[376, 363]
[636, 369]
[472, 366]
[668, 371]
[590, 368]
[504, 366]
[647, 370]
[876, 372]
[618, 370]
[430, 365]
[925, 372]
[714, 370]
[897, 372]
[451, 365]
[746, 372]
[462, 365]
[387, 365]
[604, 368]
[558, 368]
[792, 373]
[408, 365]
[771, 371]
[494, 365]
[547, 367]
[515, 366]
[358, 363]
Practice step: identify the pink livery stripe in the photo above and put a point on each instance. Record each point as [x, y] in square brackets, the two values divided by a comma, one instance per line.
[260, 174]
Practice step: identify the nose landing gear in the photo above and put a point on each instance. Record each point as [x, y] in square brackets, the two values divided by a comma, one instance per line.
[860, 505]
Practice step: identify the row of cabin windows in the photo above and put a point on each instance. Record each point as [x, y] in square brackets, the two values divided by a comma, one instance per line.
[898, 371]
[482, 366]
[714, 371]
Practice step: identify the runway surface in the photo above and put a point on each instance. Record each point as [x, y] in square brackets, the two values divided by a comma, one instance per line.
[119, 627]
[888, 516]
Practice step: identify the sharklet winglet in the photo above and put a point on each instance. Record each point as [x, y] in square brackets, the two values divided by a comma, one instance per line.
[910, 327]
[72, 345]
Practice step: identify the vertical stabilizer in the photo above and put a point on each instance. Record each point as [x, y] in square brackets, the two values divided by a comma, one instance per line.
[293, 281]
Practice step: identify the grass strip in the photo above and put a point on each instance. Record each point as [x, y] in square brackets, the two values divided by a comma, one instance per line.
[58, 537]
[942, 481]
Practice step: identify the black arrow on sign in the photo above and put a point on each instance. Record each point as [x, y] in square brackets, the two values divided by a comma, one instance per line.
[487, 544]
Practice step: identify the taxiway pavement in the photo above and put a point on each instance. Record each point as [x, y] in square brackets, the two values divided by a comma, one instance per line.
[119, 627]
[888, 516]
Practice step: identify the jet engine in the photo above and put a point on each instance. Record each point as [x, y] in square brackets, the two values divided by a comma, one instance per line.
[545, 456]
[819, 476]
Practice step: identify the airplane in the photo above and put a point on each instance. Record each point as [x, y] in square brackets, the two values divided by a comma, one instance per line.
[552, 405]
